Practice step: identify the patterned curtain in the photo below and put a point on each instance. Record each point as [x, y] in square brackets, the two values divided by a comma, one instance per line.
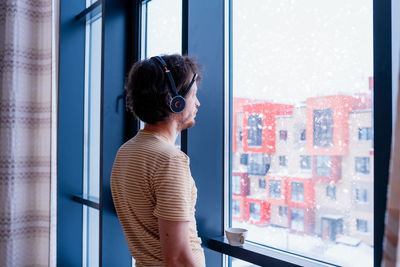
[391, 252]
[27, 123]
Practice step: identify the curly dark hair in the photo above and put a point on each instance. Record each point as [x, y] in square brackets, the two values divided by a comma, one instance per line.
[148, 92]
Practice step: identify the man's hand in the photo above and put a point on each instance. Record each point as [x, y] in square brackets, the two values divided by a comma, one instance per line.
[175, 246]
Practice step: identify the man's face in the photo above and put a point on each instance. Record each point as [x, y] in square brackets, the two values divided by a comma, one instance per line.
[187, 117]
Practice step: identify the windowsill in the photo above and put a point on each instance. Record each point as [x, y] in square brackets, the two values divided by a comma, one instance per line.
[260, 255]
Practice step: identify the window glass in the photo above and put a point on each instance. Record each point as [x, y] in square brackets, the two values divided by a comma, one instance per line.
[365, 134]
[235, 208]
[236, 184]
[275, 189]
[91, 176]
[282, 161]
[161, 32]
[261, 183]
[362, 165]
[305, 162]
[362, 195]
[297, 192]
[90, 238]
[301, 90]
[283, 135]
[257, 164]
[331, 192]
[323, 165]
[323, 127]
[254, 131]
[255, 211]
[362, 226]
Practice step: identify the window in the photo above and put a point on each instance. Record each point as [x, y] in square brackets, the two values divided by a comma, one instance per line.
[255, 211]
[261, 183]
[244, 159]
[283, 135]
[362, 165]
[362, 226]
[331, 192]
[361, 195]
[323, 127]
[283, 211]
[282, 161]
[365, 134]
[297, 220]
[239, 128]
[235, 208]
[323, 114]
[303, 135]
[323, 166]
[258, 164]
[254, 132]
[236, 184]
[297, 192]
[305, 162]
[275, 189]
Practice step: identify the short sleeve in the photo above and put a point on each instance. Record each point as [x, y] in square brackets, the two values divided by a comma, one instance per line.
[173, 190]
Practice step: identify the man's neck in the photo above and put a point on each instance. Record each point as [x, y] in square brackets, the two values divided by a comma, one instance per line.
[167, 129]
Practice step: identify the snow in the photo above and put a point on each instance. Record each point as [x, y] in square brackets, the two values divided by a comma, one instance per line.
[308, 245]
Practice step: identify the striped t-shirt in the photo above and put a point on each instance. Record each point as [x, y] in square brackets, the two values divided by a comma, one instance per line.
[151, 179]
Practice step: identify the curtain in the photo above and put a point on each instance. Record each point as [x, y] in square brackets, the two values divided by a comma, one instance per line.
[391, 251]
[27, 126]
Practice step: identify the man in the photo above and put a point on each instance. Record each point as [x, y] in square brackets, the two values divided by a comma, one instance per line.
[152, 188]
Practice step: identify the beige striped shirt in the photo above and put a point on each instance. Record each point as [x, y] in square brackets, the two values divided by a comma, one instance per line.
[151, 179]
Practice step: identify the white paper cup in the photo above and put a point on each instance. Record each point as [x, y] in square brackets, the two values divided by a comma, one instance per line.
[236, 236]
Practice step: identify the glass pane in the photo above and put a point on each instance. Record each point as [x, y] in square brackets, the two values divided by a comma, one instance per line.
[161, 27]
[161, 32]
[90, 2]
[92, 108]
[90, 237]
[302, 127]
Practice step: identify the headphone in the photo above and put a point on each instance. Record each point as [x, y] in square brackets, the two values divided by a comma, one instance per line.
[177, 104]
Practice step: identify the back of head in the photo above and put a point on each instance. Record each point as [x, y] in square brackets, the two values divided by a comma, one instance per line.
[148, 90]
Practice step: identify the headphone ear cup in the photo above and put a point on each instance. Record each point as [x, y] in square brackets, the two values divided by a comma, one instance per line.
[177, 104]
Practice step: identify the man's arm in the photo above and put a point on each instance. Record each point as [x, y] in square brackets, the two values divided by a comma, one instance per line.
[175, 246]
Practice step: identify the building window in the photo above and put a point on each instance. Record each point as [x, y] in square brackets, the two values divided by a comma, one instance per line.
[254, 132]
[297, 192]
[323, 166]
[362, 165]
[283, 211]
[239, 128]
[258, 164]
[362, 226]
[261, 183]
[275, 189]
[361, 195]
[235, 208]
[244, 159]
[282, 161]
[297, 220]
[365, 134]
[331, 192]
[283, 135]
[303, 135]
[236, 184]
[323, 127]
[305, 162]
[255, 211]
